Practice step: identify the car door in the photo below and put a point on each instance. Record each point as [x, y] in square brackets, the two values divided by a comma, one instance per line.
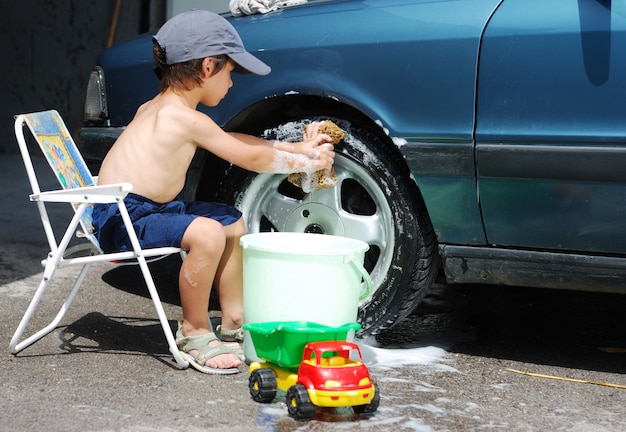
[551, 125]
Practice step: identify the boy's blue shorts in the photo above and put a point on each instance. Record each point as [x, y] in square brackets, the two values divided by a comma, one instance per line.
[156, 225]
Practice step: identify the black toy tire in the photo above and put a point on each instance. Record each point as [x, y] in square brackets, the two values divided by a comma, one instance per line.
[299, 403]
[372, 406]
[262, 384]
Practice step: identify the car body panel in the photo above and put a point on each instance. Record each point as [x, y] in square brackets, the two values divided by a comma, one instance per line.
[509, 115]
[129, 78]
[425, 40]
[551, 135]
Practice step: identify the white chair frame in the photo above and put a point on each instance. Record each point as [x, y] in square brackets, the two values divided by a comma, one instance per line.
[81, 197]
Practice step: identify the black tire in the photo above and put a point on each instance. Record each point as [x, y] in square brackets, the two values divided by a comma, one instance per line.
[376, 201]
[262, 384]
[299, 403]
[370, 407]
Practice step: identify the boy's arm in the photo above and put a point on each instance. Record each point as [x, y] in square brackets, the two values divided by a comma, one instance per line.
[245, 151]
[307, 156]
[306, 147]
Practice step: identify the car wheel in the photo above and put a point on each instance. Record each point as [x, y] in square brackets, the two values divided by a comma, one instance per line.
[299, 404]
[262, 384]
[375, 201]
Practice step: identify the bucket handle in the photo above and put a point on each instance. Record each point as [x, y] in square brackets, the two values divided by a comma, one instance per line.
[365, 275]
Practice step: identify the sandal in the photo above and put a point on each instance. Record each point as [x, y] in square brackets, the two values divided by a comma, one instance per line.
[235, 345]
[205, 352]
[236, 334]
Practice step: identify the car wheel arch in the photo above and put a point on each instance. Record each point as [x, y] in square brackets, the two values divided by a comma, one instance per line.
[254, 120]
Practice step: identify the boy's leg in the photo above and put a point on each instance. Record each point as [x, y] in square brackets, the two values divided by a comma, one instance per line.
[205, 240]
[229, 277]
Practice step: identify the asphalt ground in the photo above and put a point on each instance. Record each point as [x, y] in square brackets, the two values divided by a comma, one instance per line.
[452, 366]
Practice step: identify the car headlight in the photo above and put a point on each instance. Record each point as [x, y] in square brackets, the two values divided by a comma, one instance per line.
[95, 99]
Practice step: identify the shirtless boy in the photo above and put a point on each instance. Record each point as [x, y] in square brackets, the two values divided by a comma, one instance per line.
[195, 53]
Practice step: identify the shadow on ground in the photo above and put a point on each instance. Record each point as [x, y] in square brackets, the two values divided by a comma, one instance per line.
[97, 332]
[164, 272]
[570, 329]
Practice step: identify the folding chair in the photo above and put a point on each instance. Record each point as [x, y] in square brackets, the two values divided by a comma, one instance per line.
[79, 189]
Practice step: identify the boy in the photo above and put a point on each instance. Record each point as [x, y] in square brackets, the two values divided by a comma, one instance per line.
[195, 53]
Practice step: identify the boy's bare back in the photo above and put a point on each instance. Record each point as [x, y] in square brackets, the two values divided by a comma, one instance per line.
[153, 153]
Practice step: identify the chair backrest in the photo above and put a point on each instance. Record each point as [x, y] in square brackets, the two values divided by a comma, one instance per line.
[57, 145]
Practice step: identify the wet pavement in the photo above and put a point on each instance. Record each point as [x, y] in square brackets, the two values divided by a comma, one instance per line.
[454, 365]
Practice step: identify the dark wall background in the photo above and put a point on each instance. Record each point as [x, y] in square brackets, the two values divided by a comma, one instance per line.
[49, 47]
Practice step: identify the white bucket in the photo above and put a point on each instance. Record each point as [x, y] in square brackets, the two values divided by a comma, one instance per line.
[301, 277]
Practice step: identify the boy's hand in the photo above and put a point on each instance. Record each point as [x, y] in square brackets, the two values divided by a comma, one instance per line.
[311, 130]
[316, 145]
[314, 153]
[326, 156]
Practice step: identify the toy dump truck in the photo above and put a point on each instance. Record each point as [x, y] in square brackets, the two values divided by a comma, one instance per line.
[313, 364]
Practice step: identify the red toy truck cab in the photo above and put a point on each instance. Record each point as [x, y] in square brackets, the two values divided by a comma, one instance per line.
[334, 374]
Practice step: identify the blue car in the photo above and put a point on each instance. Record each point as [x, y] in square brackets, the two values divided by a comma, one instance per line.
[485, 139]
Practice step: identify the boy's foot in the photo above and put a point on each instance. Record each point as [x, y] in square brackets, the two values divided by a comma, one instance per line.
[207, 354]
